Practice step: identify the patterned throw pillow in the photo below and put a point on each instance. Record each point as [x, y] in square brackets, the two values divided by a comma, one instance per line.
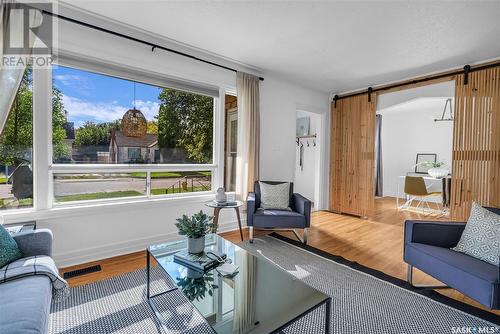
[274, 196]
[9, 252]
[481, 236]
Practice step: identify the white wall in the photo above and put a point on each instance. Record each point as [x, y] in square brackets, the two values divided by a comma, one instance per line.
[91, 233]
[305, 182]
[408, 128]
[280, 101]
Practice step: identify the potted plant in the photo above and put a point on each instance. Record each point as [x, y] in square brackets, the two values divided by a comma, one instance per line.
[437, 169]
[195, 228]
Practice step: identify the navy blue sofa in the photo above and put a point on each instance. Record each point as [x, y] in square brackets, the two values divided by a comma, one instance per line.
[298, 218]
[427, 247]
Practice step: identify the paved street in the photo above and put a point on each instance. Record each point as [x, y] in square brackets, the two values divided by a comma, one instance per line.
[64, 187]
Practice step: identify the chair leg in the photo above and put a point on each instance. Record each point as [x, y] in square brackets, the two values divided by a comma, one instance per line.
[304, 238]
[409, 279]
[251, 234]
[409, 274]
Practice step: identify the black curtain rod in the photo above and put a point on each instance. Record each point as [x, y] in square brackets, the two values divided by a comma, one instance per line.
[152, 45]
[465, 71]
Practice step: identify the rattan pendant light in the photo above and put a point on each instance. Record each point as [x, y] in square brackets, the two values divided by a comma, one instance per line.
[134, 123]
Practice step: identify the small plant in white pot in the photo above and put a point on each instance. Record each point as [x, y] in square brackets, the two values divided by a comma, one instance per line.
[437, 169]
[195, 228]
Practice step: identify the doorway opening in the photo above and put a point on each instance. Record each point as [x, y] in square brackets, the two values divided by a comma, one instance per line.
[413, 149]
[308, 156]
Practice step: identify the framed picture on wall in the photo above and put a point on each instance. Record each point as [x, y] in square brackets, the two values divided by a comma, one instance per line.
[303, 126]
[423, 157]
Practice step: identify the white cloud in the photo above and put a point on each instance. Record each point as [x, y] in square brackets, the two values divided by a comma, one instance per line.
[148, 108]
[82, 83]
[80, 110]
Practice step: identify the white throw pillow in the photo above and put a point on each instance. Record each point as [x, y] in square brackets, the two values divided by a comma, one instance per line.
[275, 196]
[481, 236]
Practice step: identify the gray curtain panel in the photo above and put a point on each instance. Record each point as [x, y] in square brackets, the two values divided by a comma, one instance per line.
[378, 156]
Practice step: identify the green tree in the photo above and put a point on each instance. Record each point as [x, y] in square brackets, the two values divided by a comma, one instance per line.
[61, 151]
[93, 134]
[185, 120]
[16, 139]
[152, 127]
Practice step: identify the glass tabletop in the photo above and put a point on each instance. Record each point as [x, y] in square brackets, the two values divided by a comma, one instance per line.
[260, 298]
[228, 204]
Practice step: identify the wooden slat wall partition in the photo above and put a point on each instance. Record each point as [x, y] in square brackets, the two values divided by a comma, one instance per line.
[352, 156]
[476, 142]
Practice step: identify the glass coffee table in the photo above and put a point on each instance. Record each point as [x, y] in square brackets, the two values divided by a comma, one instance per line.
[259, 298]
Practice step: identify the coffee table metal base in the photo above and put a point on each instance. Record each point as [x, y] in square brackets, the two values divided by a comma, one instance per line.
[327, 302]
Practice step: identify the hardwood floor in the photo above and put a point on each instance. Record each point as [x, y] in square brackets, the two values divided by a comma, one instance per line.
[376, 243]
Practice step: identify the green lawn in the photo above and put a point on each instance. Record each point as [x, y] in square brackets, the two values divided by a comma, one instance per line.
[93, 196]
[163, 191]
[3, 178]
[160, 175]
[23, 203]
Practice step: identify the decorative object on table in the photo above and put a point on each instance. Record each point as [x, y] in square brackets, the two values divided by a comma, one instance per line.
[303, 126]
[227, 270]
[201, 261]
[421, 158]
[228, 205]
[221, 196]
[195, 229]
[437, 169]
[197, 287]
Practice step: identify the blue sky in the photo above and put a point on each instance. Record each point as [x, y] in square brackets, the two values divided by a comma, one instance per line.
[94, 97]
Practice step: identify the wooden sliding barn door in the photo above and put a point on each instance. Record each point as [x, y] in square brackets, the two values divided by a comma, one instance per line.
[476, 142]
[352, 147]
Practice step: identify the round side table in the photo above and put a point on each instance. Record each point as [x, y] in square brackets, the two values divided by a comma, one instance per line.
[230, 205]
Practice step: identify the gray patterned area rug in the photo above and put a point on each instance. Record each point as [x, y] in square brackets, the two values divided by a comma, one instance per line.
[363, 301]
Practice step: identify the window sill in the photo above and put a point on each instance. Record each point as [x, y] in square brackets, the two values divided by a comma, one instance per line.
[97, 207]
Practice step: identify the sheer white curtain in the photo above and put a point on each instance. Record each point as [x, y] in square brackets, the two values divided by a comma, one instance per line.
[247, 161]
[10, 76]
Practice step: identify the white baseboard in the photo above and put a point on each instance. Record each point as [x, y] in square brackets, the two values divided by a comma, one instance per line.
[80, 256]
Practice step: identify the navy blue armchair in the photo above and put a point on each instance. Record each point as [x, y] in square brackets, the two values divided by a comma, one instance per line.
[298, 218]
[427, 247]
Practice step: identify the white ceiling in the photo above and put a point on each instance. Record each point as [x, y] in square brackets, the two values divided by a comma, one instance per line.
[333, 46]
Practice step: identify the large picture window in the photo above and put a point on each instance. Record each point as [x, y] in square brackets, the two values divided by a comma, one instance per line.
[104, 119]
[160, 139]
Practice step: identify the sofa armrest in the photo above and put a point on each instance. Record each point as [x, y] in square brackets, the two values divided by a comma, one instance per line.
[36, 242]
[441, 234]
[303, 206]
[251, 207]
